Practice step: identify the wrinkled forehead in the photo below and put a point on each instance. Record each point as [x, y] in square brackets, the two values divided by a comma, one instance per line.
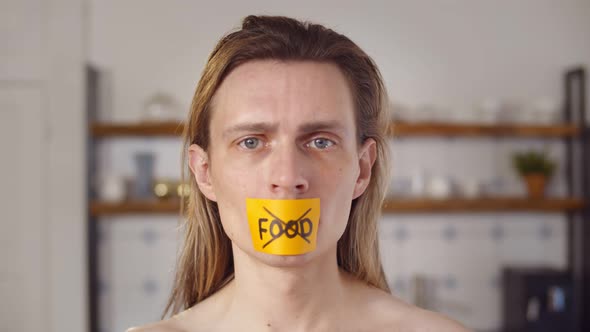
[271, 89]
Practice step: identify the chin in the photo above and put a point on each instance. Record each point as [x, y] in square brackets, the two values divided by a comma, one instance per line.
[321, 253]
[285, 260]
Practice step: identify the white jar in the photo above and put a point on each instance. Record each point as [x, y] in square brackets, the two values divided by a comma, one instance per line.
[112, 189]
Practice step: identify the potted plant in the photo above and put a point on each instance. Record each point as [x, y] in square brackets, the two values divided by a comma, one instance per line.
[536, 169]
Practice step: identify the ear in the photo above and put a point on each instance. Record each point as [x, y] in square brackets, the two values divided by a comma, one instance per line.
[199, 165]
[367, 156]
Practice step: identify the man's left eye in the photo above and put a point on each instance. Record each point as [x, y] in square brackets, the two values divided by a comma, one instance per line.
[321, 143]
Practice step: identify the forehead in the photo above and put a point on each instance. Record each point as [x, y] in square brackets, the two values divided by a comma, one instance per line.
[277, 90]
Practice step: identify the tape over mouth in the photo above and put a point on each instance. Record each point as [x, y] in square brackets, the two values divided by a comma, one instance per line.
[283, 226]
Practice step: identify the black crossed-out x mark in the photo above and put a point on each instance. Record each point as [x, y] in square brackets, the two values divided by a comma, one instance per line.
[290, 229]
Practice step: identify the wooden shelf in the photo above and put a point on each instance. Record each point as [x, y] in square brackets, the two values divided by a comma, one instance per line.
[401, 129]
[137, 129]
[503, 204]
[402, 205]
[171, 206]
[398, 129]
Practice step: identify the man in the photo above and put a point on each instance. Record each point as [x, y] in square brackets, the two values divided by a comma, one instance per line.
[287, 146]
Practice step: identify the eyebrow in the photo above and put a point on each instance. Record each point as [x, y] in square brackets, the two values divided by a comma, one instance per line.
[305, 128]
[249, 127]
[323, 126]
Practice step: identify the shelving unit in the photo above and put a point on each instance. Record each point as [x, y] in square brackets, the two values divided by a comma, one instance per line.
[576, 206]
[481, 130]
[171, 206]
[397, 129]
[103, 130]
[495, 204]
[391, 205]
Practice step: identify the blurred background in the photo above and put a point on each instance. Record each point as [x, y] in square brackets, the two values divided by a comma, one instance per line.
[484, 219]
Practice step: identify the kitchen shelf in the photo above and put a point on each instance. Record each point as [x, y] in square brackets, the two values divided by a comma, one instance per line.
[401, 205]
[398, 129]
[136, 129]
[171, 206]
[401, 129]
[497, 204]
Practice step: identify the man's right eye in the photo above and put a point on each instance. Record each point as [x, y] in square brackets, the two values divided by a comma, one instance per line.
[249, 143]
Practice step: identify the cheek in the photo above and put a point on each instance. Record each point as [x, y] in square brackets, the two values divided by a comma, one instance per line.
[230, 181]
[338, 180]
[337, 187]
[231, 184]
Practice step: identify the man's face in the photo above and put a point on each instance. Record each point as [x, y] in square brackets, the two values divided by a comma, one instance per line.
[283, 130]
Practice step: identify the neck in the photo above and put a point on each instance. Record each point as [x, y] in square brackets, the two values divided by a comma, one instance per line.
[292, 296]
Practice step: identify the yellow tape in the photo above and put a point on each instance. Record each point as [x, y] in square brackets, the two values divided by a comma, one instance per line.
[283, 226]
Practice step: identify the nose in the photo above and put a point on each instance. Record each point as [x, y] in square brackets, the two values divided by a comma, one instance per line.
[288, 172]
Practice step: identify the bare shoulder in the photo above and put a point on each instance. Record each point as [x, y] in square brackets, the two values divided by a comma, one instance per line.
[392, 313]
[423, 320]
[168, 325]
[202, 316]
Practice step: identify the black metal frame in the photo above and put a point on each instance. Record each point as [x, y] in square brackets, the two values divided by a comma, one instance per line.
[578, 180]
[92, 83]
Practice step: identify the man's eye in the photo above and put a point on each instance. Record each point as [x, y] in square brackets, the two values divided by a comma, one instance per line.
[321, 143]
[250, 143]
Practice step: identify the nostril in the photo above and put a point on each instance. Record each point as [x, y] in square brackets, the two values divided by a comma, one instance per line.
[301, 187]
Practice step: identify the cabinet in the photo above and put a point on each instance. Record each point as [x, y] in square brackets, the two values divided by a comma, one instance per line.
[574, 133]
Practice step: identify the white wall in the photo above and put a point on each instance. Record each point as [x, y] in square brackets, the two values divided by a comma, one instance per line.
[64, 30]
[448, 52]
[452, 53]
[43, 279]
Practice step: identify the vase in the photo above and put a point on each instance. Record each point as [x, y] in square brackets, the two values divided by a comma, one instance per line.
[535, 185]
[144, 163]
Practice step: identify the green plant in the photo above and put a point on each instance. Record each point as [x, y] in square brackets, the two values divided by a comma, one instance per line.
[533, 162]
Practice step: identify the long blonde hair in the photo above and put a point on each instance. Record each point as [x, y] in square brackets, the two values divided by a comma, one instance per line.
[205, 263]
